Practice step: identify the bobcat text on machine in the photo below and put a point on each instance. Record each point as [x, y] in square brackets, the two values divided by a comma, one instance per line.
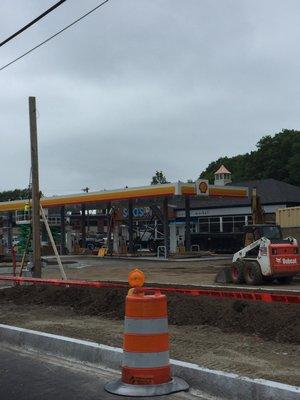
[265, 257]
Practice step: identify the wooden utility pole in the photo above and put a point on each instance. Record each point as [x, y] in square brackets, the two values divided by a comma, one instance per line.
[36, 245]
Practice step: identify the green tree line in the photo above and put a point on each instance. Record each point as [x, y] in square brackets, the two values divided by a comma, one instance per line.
[16, 194]
[275, 157]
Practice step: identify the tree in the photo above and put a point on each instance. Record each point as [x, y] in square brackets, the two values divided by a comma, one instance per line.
[275, 157]
[293, 166]
[159, 178]
[16, 194]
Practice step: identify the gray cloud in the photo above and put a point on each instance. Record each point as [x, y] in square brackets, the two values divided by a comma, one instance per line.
[141, 85]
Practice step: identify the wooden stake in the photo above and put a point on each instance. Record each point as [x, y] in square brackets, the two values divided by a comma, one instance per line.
[25, 253]
[62, 271]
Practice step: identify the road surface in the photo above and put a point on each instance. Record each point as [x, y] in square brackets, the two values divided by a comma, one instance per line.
[31, 376]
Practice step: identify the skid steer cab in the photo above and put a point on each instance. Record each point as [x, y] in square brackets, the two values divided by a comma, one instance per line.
[266, 256]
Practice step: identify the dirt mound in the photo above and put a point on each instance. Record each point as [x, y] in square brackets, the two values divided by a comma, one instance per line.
[89, 301]
[277, 322]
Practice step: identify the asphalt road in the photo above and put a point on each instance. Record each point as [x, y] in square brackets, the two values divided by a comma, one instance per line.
[31, 376]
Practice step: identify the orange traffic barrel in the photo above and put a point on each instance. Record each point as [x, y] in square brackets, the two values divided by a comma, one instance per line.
[146, 370]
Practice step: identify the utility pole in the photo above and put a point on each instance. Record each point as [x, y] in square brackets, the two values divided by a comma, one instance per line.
[36, 245]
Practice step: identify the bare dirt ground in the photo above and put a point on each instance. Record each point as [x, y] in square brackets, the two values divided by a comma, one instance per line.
[186, 272]
[227, 335]
[180, 272]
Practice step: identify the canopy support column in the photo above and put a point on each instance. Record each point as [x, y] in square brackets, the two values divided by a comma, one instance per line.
[130, 226]
[83, 226]
[62, 231]
[166, 226]
[187, 224]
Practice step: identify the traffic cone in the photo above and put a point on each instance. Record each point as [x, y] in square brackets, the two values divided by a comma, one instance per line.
[146, 370]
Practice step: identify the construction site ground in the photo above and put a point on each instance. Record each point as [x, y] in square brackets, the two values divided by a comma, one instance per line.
[178, 272]
[188, 271]
[250, 338]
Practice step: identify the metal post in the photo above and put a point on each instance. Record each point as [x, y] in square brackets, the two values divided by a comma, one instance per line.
[9, 231]
[88, 221]
[130, 227]
[187, 224]
[83, 227]
[166, 227]
[109, 212]
[62, 231]
[86, 190]
[36, 243]
[14, 260]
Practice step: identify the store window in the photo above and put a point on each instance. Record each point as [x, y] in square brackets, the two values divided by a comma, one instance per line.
[214, 224]
[227, 224]
[238, 223]
[193, 227]
[203, 224]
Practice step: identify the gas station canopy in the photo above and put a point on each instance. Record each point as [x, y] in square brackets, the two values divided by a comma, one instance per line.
[200, 188]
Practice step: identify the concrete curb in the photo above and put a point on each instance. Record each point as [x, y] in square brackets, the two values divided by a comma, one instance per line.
[216, 383]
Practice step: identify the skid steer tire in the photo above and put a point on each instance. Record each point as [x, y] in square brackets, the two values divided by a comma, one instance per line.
[252, 273]
[285, 280]
[237, 272]
[268, 279]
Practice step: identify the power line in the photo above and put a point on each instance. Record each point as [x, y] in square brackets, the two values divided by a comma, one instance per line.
[32, 22]
[53, 36]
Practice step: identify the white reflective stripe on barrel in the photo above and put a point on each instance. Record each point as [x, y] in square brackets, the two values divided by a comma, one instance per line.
[145, 360]
[143, 326]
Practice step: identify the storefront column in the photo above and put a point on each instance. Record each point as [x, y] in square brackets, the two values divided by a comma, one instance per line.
[83, 226]
[187, 224]
[9, 231]
[130, 227]
[109, 212]
[62, 231]
[166, 226]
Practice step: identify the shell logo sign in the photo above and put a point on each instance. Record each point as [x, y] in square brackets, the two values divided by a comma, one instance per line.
[202, 187]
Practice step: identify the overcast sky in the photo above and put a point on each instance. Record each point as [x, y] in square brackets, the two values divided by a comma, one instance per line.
[141, 85]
